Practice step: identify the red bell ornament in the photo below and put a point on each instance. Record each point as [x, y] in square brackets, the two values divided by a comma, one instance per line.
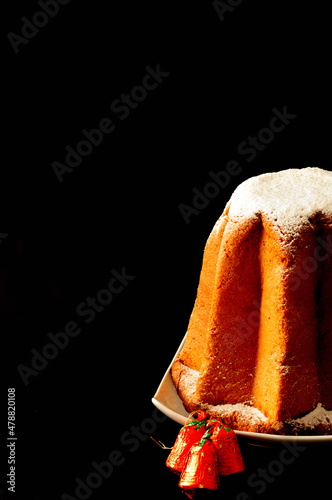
[189, 434]
[229, 455]
[201, 469]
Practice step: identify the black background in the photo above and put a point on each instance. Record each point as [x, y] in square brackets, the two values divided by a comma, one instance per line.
[120, 209]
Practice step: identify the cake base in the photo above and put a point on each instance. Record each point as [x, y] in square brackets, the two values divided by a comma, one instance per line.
[245, 417]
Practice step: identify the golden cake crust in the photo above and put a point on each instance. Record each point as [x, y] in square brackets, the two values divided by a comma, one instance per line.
[244, 417]
[260, 334]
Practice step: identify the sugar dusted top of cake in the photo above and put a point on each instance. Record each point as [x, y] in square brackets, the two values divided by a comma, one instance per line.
[288, 198]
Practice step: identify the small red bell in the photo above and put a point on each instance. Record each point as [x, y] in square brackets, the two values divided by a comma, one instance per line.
[189, 434]
[229, 455]
[201, 469]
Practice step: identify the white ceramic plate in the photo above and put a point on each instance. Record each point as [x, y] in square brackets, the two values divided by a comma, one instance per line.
[168, 402]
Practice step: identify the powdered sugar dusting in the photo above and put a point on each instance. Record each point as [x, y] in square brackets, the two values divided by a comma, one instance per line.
[289, 198]
[191, 377]
[248, 412]
[246, 417]
[318, 416]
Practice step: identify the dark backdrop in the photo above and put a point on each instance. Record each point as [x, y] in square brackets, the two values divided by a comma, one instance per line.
[218, 74]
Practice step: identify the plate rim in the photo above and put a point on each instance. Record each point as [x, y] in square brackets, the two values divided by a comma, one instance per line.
[165, 392]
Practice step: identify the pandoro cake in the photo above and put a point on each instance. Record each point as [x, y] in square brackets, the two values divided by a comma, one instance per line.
[258, 349]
